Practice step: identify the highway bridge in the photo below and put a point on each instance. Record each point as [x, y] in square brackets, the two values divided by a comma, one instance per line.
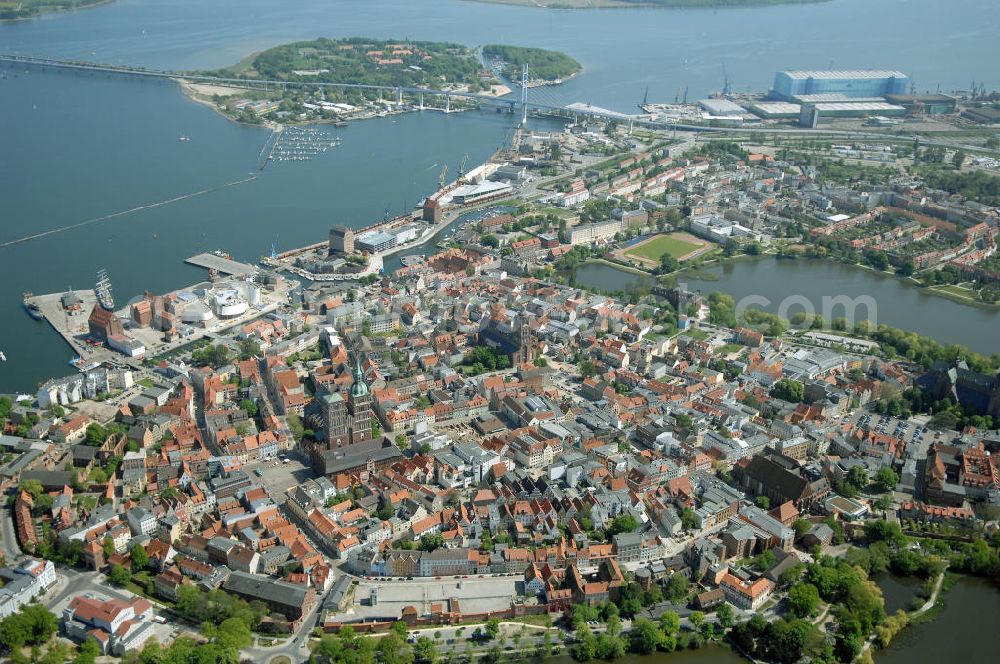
[576, 110]
[29, 62]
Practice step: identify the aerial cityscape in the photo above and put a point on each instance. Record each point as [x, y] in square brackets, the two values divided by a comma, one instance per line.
[650, 331]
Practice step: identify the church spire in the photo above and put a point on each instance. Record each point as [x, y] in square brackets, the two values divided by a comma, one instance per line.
[360, 387]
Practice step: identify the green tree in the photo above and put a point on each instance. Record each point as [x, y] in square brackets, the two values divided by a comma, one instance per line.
[762, 502]
[425, 650]
[857, 477]
[587, 369]
[89, 652]
[392, 649]
[431, 542]
[31, 626]
[492, 628]
[696, 618]
[625, 523]
[140, 559]
[803, 600]
[788, 390]
[725, 615]
[668, 264]
[119, 575]
[249, 348]
[32, 487]
[249, 406]
[233, 634]
[886, 479]
[670, 622]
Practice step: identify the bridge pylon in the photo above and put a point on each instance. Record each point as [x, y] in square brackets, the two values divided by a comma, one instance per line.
[524, 94]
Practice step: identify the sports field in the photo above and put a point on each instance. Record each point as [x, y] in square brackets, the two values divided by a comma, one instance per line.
[678, 245]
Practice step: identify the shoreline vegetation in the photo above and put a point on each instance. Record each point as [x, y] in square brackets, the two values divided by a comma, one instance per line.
[645, 4]
[401, 63]
[549, 67]
[28, 9]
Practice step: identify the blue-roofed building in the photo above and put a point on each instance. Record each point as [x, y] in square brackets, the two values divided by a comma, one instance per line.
[851, 83]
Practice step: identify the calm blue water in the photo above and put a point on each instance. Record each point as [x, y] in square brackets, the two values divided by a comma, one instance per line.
[623, 51]
[96, 145]
[76, 147]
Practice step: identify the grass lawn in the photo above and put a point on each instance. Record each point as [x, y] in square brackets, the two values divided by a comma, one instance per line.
[957, 291]
[147, 382]
[728, 349]
[697, 335]
[664, 244]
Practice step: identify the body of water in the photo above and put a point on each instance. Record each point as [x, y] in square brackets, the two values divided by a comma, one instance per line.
[608, 278]
[958, 633]
[787, 286]
[87, 146]
[623, 51]
[898, 591]
[896, 302]
[708, 654]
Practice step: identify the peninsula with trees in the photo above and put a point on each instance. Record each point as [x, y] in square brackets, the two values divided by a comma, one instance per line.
[14, 11]
[311, 67]
[543, 65]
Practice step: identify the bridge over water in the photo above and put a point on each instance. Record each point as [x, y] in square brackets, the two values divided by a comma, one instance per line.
[30, 62]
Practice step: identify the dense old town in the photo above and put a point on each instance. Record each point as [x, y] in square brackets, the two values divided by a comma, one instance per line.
[477, 457]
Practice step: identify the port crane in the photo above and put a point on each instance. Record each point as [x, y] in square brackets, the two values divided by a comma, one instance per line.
[444, 174]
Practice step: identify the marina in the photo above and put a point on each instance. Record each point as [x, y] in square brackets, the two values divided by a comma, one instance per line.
[296, 144]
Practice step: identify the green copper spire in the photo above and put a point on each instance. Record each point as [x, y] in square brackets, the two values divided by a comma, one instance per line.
[360, 388]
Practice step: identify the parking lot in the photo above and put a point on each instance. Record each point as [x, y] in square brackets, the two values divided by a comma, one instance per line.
[475, 594]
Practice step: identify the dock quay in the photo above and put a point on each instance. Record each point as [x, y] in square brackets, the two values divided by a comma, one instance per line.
[221, 264]
[72, 326]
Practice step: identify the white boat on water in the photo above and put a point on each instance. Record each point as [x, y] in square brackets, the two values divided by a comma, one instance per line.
[3, 357]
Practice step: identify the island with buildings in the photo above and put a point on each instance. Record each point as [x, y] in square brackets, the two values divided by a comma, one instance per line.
[344, 79]
[25, 9]
[479, 455]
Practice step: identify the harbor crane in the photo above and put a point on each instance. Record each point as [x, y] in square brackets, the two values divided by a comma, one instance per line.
[461, 166]
[444, 174]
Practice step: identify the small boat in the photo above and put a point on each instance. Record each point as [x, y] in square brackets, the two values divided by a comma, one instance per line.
[3, 357]
[33, 309]
[184, 138]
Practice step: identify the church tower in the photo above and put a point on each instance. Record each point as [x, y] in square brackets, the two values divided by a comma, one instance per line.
[359, 403]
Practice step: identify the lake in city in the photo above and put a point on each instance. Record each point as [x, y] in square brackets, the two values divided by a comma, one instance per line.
[785, 286]
[960, 632]
[78, 147]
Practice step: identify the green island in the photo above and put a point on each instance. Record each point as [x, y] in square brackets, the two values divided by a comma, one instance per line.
[395, 63]
[542, 64]
[13, 11]
[679, 4]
